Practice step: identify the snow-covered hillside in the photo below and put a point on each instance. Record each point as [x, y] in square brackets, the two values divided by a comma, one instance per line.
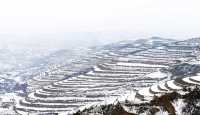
[128, 74]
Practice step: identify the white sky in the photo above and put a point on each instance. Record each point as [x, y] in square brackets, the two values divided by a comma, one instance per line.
[137, 18]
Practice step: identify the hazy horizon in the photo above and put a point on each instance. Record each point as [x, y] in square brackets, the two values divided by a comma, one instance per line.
[74, 23]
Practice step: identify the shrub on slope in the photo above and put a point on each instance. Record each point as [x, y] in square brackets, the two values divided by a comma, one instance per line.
[111, 109]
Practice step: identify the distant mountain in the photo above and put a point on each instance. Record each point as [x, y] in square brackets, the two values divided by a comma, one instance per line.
[148, 43]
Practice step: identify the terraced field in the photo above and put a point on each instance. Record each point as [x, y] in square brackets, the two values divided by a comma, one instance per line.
[148, 93]
[118, 73]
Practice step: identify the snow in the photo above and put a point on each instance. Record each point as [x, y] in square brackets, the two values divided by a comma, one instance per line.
[112, 82]
[110, 100]
[161, 47]
[123, 59]
[145, 92]
[18, 79]
[43, 109]
[7, 111]
[194, 61]
[140, 64]
[197, 78]
[91, 73]
[8, 96]
[113, 54]
[97, 69]
[179, 105]
[155, 88]
[107, 78]
[162, 113]
[198, 74]
[69, 104]
[187, 79]
[65, 98]
[162, 85]
[172, 85]
[131, 96]
[157, 75]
